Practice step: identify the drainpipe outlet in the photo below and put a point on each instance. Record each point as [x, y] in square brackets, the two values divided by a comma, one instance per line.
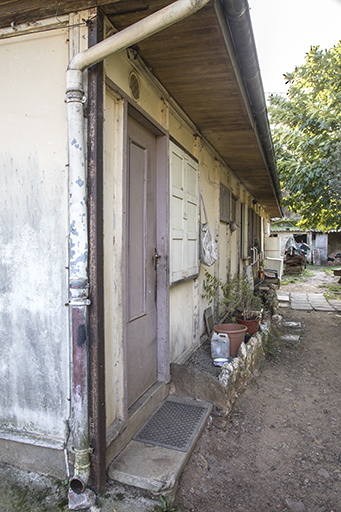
[81, 475]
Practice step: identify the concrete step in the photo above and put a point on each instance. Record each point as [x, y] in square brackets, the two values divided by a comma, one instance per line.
[156, 468]
[291, 338]
[292, 325]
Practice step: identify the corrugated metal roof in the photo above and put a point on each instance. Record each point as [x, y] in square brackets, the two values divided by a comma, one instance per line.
[284, 225]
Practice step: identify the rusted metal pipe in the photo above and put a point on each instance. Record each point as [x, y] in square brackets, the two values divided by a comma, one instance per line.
[80, 399]
[78, 282]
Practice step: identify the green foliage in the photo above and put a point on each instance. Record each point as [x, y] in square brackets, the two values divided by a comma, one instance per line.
[269, 300]
[250, 303]
[297, 278]
[274, 343]
[211, 287]
[306, 133]
[236, 296]
[332, 291]
[166, 506]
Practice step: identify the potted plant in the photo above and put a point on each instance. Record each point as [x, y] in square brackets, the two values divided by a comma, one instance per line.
[227, 294]
[229, 304]
[251, 306]
[237, 303]
[236, 334]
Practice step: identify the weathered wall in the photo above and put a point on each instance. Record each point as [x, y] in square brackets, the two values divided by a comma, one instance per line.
[334, 243]
[273, 247]
[319, 248]
[34, 369]
[186, 306]
[181, 333]
[113, 257]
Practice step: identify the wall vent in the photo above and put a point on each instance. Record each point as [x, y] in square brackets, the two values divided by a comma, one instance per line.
[134, 85]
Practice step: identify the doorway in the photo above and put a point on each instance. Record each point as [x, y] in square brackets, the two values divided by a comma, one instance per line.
[141, 262]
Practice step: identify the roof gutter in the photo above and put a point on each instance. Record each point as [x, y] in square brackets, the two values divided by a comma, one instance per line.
[78, 264]
[237, 18]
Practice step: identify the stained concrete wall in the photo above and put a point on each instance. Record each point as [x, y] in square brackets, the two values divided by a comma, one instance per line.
[319, 248]
[34, 368]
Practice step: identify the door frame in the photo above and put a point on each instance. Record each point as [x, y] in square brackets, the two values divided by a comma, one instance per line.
[162, 239]
[95, 145]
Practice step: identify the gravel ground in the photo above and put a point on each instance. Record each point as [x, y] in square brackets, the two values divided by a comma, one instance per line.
[280, 448]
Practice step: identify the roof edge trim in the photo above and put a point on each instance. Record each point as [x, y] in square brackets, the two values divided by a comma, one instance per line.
[238, 21]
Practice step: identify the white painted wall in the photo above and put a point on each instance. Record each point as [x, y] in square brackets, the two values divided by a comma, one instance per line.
[34, 367]
[181, 332]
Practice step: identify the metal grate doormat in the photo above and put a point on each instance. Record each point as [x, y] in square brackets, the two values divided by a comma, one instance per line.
[174, 425]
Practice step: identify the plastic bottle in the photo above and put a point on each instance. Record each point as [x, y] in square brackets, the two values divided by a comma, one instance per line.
[220, 348]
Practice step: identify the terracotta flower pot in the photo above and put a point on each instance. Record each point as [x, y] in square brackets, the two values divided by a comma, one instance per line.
[236, 334]
[252, 325]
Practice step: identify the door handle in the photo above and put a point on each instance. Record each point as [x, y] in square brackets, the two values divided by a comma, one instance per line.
[156, 257]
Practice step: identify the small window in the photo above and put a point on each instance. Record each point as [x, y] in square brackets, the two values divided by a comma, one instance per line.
[233, 215]
[224, 204]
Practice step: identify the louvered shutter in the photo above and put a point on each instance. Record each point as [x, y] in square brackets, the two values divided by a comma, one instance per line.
[184, 204]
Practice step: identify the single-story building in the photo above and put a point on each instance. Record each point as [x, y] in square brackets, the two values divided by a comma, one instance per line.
[116, 116]
[324, 247]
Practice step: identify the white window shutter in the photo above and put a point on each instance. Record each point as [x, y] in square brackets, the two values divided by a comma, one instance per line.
[184, 205]
[192, 205]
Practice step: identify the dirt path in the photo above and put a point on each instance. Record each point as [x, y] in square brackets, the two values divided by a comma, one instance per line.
[280, 449]
[313, 284]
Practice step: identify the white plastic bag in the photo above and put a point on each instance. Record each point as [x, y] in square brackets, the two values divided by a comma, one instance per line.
[208, 245]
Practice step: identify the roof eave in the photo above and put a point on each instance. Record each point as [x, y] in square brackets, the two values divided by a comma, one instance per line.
[237, 18]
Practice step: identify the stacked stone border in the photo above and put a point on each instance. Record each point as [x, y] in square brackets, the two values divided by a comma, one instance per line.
[234, 376]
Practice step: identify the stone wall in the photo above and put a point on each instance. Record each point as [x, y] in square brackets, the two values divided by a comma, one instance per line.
[222, 391]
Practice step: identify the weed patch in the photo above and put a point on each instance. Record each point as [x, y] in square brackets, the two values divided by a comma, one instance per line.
[274, 343]
[297, 278]
[166, 506]
[333, 291]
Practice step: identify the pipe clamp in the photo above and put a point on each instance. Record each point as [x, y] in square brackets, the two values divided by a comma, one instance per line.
[78, 302]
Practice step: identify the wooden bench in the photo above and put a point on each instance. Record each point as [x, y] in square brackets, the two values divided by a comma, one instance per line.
[337, 272]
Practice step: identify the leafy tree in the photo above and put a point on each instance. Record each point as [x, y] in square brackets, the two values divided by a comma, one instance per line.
[306, 129]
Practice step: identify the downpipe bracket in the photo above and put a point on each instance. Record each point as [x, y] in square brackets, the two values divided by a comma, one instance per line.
[75, 97]
[78, 302]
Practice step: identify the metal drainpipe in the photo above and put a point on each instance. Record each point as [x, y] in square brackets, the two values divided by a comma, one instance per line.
[78, 272]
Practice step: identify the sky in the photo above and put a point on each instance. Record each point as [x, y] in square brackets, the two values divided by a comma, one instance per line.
[284, 31]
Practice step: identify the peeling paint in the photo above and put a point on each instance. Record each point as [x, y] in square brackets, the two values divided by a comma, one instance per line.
[73, 229]
[83, 258]
[79, 182]
[75, 144]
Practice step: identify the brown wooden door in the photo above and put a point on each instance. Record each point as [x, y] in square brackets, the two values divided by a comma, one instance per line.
[141, 315]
